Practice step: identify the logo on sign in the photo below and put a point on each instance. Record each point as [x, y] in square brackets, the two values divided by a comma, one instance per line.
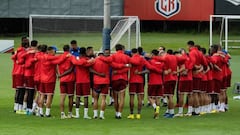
[234, 2]
[167, 8]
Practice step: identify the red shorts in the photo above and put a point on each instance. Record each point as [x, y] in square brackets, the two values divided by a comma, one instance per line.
[19, 81]
[155, 90]
[82, 89]
[217, 86]
[228, 80]
[67, 88]
[101, 88]
[14, 81]
[169, 87]
[204, 86]
[185, 87]
[37, 85]
[197, 84]
[29, 82]
[118, 85]
[47, 88]
[210, 89]
[136, 88]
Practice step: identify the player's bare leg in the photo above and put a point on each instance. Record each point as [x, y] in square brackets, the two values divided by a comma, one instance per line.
[121, 103]
[140, 99]
[86, 108]
[77, 106]
[62, 99]
[131, 104]
[170, 107]
[70, 105]
[103, 106]
[48, 105]
[196, 103]
[190, 105]
[15, 101]
[41, 102]
[222, 99]
[180, 103]
[116, 105]
[95, 104]
[25, 100]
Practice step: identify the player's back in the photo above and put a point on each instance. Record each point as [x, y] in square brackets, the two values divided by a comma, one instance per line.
[101, 67]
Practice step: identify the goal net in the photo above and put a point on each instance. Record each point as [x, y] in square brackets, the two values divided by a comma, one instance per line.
[225, 30]
[58, 30]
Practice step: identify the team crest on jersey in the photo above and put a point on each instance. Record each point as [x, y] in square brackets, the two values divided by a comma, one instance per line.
[167, 8]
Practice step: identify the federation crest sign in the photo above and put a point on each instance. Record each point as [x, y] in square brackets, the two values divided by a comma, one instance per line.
[167, 8]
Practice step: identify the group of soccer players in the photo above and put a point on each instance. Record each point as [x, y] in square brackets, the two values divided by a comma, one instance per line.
[203, 77]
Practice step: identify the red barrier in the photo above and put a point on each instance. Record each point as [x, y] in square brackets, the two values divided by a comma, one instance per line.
[178, 10]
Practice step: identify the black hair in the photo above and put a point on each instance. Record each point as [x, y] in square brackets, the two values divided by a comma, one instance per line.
[118, 47]
[50, 48]
[101, 53]
[134, 50]
[39, 47]
[89, 47]
[170, 51]
[214, 49]
[34, 43]
[176, 52]
[24, 38]
[44, 48]
[140, 50]
[155, 52]
[107, 50]
[190, 43]
[66, 48]
[83, 51]
[198, 47]
[73, 42]
[203, 50]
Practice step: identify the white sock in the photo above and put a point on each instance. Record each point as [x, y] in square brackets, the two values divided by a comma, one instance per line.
[47, 111]
[95, 113]
[24, 105]
[142, 101]
[85, 112]
[70, 114]
[200, 108]
[62, 113]
[190, 109]
[112, 99]
[197, 110]
[167, 111]
[154, 105]
[77, 112]
[34, 106]
[15, 108]
[165, 100]
[119, 114]
[222, 105]
[20, 107]
[101, 113]
[92, 100]
[171, 111]
[41, 111]
[180, 110]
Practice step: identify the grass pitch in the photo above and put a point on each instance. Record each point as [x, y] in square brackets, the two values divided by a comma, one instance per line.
[222, 123]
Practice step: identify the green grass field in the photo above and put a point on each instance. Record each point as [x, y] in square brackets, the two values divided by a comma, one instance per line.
[222, 123]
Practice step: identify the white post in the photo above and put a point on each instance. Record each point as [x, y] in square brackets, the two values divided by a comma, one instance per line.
[210, 29]
[30, 29]
[129, 38]
[138, 42]
[226, 33]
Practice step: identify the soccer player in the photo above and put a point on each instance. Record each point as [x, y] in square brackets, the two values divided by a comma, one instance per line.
[67, 83]
[90, 55]
[48, 78]
[75, 50]
[101, 84]
[155, 84]
[119, 79]
[29, 74]
[136, 83]
[42, 49]
[82, 80]
[185, 84]
[197, 59]
[19, 74]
